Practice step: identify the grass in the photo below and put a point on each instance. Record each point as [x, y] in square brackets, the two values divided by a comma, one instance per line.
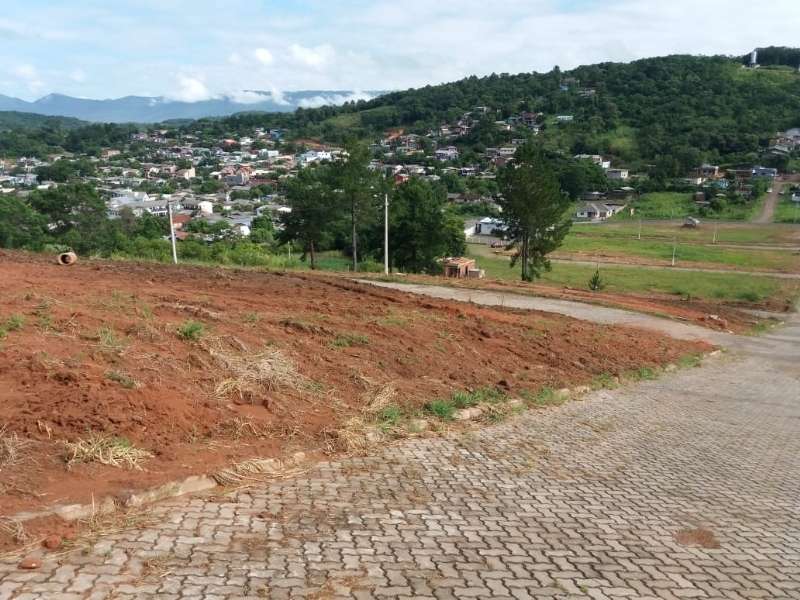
[191, 330]
[389, 416]
[253, 373]
[346, 340]
[12, 448]
[661, 250]
[12, 323]
[660, 205]
[728, 233]
[546, 396]
[109, 340]
[107, 450]
[733, 287]
[445, 408]
[442, 409]
[121, 378]
[677, 205]
[787, 211]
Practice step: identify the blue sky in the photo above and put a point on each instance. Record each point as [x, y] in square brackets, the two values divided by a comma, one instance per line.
[196, 49]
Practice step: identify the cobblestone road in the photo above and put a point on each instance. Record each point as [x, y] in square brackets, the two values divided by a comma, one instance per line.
[596, 499]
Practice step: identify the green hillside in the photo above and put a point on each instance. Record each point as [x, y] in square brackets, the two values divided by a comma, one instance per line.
[21, 120]
[674, 111]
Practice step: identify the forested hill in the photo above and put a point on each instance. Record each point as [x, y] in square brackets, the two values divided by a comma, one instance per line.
[681, 109]
[22, 120]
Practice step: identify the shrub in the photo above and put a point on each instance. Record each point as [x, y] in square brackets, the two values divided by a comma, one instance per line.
[596, 283]
[191, 330]
[444, 409]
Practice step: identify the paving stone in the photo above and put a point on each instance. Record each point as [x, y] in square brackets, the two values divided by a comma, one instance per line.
[580, 501]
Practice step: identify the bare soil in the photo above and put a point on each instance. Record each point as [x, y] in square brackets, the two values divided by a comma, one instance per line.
[98, 349]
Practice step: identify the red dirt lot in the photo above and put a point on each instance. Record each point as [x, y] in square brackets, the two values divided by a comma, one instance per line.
[281, 361]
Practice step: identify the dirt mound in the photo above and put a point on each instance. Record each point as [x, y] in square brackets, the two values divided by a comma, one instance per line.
[203, 366]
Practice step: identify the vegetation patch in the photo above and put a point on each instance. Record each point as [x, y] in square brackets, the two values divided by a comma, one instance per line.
[191, 330]
[346, 340]
[107, 450]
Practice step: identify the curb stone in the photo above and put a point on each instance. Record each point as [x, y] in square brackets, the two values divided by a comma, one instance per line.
[130, 499]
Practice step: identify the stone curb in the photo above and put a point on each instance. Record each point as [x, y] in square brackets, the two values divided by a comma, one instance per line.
[172, 489]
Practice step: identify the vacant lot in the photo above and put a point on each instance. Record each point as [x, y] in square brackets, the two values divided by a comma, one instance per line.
[725, 233]
[687, 253]
[676, 205]
[735, 289]
[183, 370]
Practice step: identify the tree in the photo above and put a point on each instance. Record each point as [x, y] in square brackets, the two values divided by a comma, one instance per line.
[262, 230]
[313, 210]
[358, 185]
[20, 226]
[77, 215]
[421, 230]
[533, 210]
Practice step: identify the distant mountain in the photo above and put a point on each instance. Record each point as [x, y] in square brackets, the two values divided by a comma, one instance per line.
[144, 109]
[22, 120]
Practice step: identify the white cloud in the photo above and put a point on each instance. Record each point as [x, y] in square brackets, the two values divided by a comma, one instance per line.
[334, 99]
[246, 97]
[78, 75]
[316, 57]
[380, 44]
[264, 56]
[30, 76]
[190, 89]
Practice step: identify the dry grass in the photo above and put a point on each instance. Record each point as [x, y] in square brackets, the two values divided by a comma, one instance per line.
[13, 529]
[254, 471]
[252, 374]
[12, 448]
[106, 450]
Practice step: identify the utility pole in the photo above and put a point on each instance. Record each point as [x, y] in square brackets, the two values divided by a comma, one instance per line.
[716, 226]
[386, 233]
[640, 229]
[172, 233]
[674, 249]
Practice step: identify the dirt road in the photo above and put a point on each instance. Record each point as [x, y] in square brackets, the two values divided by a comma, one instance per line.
[586, 312]
[771, 202]
[682, 487]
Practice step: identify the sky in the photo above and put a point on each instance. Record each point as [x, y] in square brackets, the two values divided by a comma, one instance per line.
[194, 50]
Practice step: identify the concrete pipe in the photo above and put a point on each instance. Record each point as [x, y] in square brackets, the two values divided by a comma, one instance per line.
[67, 258]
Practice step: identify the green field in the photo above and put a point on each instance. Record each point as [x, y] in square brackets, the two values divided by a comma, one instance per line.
[787, 211]
[677, 205]
[745, 258]
[721, 286]
[733, 233]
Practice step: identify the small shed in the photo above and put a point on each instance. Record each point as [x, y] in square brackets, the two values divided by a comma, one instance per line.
[691, 222]
[458, 267]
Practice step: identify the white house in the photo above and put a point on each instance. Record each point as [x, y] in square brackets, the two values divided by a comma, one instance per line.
[448, 153]
[598, 211]
[620, 174]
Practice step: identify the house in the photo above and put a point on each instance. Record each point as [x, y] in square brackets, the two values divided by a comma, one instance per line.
[187, 174]
[619, 174]
[765, 172]
[565, 118]
[599, 211]
[707, 171]
[447, 154]
[490, 226]
[462, 268]
[596, 159]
